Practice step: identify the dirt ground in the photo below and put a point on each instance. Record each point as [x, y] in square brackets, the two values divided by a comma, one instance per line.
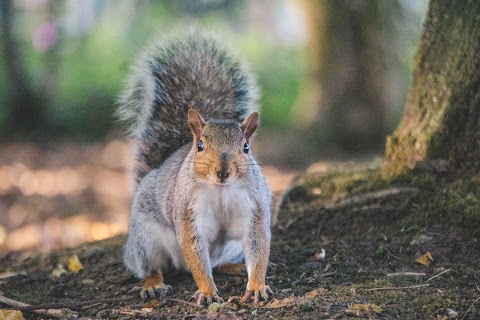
[344, 246]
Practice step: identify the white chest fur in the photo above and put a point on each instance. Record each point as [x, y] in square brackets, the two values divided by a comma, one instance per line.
[222, 212]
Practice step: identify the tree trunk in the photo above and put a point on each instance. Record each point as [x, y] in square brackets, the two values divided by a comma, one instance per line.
[343, 100]
[27, 113]
[442, 114]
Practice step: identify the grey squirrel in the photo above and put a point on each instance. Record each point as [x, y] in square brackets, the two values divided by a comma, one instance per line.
[200, 199]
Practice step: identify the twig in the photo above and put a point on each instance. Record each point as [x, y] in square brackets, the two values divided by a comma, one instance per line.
[406, 274]
[55, 309]
[390, 253]
[376, 195]
[437, 275]
[399, 288]
[184, 302]
[136, 313]
[471, 306]
[74, 305]
[55, 313]
[6, 275]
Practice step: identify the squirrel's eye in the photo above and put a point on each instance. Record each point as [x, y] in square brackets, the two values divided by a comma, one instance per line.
[246, 148]
[200, 146]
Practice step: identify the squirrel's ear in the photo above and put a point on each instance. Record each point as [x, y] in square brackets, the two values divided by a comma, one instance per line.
[195, 122]
[250, 125]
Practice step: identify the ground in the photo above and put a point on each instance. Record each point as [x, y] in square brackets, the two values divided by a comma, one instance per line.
[345, 245]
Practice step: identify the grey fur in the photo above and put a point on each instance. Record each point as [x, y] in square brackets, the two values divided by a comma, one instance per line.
[231, 222]
[157, 209]
[168, 78]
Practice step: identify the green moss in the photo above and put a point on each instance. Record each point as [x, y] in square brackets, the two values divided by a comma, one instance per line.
[441, 121]
[343, 181]
[450, 199]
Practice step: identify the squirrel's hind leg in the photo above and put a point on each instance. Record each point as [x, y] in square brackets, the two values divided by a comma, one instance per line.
[149, 249]
[154, 283]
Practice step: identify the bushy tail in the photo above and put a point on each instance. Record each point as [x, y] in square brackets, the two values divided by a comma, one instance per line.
[171, 76]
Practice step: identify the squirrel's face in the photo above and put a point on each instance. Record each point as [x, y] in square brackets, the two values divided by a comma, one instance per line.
[222, 151]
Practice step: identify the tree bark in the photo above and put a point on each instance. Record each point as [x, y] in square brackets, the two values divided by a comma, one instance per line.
[343, 100]
[442, 114]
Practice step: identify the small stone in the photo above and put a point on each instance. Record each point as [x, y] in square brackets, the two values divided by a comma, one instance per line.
[452, 313]
[88, 281]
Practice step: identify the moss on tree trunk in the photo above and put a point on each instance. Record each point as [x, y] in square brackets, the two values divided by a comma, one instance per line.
[442, 114]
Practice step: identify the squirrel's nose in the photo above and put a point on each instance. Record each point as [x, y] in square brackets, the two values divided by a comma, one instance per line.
[222, 175]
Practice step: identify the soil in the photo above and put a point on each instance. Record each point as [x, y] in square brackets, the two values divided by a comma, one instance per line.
[344, 246]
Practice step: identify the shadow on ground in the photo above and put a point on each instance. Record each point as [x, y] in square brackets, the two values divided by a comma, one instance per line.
[345, 245]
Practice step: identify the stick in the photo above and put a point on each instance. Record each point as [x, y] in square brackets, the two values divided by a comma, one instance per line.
[406, 274]
[74, 305]
[468, 310]
[6, 275]
[53, 309]
[390, 253]
[376, 195]
[136, 313]
[184, 302]
[55, 313]
[399, 288]
[444, 271]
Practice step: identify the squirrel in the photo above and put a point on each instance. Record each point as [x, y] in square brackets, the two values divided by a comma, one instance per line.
[200, 199]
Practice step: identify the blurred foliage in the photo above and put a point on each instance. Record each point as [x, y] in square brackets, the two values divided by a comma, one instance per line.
[280, 72]
[88, 66]
[76, 80]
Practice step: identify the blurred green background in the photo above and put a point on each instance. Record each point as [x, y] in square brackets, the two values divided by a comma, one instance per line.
[334, 74]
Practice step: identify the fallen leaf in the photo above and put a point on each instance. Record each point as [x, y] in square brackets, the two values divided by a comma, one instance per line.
[58, 271]
[151, 304]
[318, 255]
[276, 304]
[237, 301]
[311, 294]
[74, 264]
[364, 309]
[381, 250]
[11, 315]
[425, 259]
[214, 307]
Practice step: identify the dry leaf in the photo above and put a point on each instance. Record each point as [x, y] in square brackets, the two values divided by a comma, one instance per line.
[58, 271]
[151, 304]
[363, 309]
[318, 255]
[74, 264]
[311, 294]
[11, 315]
[425, 259]
[276, 304]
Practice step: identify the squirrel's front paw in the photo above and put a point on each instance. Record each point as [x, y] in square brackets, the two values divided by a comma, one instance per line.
[206, 299]
[149, 293]
[262, 294]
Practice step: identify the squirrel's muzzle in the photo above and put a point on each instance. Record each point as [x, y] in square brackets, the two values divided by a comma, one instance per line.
[222, 175]
[224, 172]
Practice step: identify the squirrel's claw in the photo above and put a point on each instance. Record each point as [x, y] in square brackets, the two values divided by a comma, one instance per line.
[263, 294]
[149, 293]
[206, 299]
